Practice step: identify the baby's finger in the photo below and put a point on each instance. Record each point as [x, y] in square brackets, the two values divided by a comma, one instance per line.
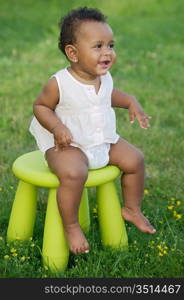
[132, 118]
[144, 123]
[56, 146]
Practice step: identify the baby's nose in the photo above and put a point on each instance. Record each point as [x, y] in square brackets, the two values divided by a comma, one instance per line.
[107, 51]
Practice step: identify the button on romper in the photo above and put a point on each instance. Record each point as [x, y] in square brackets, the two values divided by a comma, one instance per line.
[87, 114]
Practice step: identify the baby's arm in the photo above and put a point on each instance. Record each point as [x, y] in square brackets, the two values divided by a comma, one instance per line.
[123, 100]
[44, 111]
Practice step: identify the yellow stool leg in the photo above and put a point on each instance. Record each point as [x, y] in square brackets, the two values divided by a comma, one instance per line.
[112, 227]
[23, 212]
[55, 250]
[84, 217]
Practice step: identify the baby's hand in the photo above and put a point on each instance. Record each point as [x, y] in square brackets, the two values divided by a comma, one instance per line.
[136, 111]
[62, 136]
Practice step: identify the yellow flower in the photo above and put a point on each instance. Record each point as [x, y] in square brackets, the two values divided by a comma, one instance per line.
[1, 188]
[164, 252]
[173, 199]
[174, 213]
[178, 216]
[178, 203]
[23, 258]
[94, 210]
[159, 247]
[170, 207]
[146, 192]
[160, 254]
[33, 244]
[14, 254]
[1, 238]
[12, 250]
[6, 256]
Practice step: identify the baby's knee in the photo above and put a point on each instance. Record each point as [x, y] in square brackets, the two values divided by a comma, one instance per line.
[134, 163]
[138, 161]
[74, 174]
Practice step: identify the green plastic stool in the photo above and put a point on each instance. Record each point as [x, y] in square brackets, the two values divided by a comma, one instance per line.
[32, 171]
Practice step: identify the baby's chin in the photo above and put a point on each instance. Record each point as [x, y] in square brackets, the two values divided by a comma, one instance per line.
[103, 71]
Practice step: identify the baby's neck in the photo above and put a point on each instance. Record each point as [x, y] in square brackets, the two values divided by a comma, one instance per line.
[84, 77]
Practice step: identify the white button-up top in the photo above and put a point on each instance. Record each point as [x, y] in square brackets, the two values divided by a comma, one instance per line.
[87, 114]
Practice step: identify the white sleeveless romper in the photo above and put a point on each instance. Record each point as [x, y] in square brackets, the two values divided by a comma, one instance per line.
[87, 114]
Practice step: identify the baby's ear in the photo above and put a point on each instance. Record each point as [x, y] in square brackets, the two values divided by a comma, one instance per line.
[71, 53]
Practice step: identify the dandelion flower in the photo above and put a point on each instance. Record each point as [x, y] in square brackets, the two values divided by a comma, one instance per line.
[170, 207]
[178, 216]
[23, 258]
[146, 192]
[178, 203]
[6, 256]
[160, 254]
[12, 250]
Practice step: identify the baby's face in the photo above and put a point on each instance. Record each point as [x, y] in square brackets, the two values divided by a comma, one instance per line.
[94, 43]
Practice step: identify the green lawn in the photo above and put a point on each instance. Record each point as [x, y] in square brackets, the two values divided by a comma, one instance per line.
[150, 64]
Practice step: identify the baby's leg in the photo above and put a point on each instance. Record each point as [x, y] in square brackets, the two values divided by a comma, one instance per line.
[130, 160]
[71, 167]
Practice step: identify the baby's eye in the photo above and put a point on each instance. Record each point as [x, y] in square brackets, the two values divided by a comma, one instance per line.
[98, 46]
[111, 46]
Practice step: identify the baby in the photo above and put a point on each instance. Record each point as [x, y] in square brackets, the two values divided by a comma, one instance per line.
[75, 126]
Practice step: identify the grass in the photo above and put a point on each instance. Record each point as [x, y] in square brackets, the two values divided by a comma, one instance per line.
[149, 44]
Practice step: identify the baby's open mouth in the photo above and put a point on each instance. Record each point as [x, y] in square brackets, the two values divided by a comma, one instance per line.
[104, 63]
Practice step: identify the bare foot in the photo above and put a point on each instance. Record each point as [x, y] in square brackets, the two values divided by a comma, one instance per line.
[138, 219]
[76, 239]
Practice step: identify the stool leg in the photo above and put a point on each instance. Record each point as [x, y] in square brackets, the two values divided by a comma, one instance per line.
[112, 227]
[23, 212]
[55, 250]
[84, 217]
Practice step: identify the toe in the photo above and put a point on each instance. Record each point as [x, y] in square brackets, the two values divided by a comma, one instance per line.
[153, 230]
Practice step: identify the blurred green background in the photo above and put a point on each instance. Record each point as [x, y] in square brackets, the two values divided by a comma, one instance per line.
[149, 39]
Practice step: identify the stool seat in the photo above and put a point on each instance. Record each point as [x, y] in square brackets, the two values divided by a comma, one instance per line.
[33, 172]
[32, 167]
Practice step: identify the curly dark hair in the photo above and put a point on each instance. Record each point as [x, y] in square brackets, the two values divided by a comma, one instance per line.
[70, 22]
